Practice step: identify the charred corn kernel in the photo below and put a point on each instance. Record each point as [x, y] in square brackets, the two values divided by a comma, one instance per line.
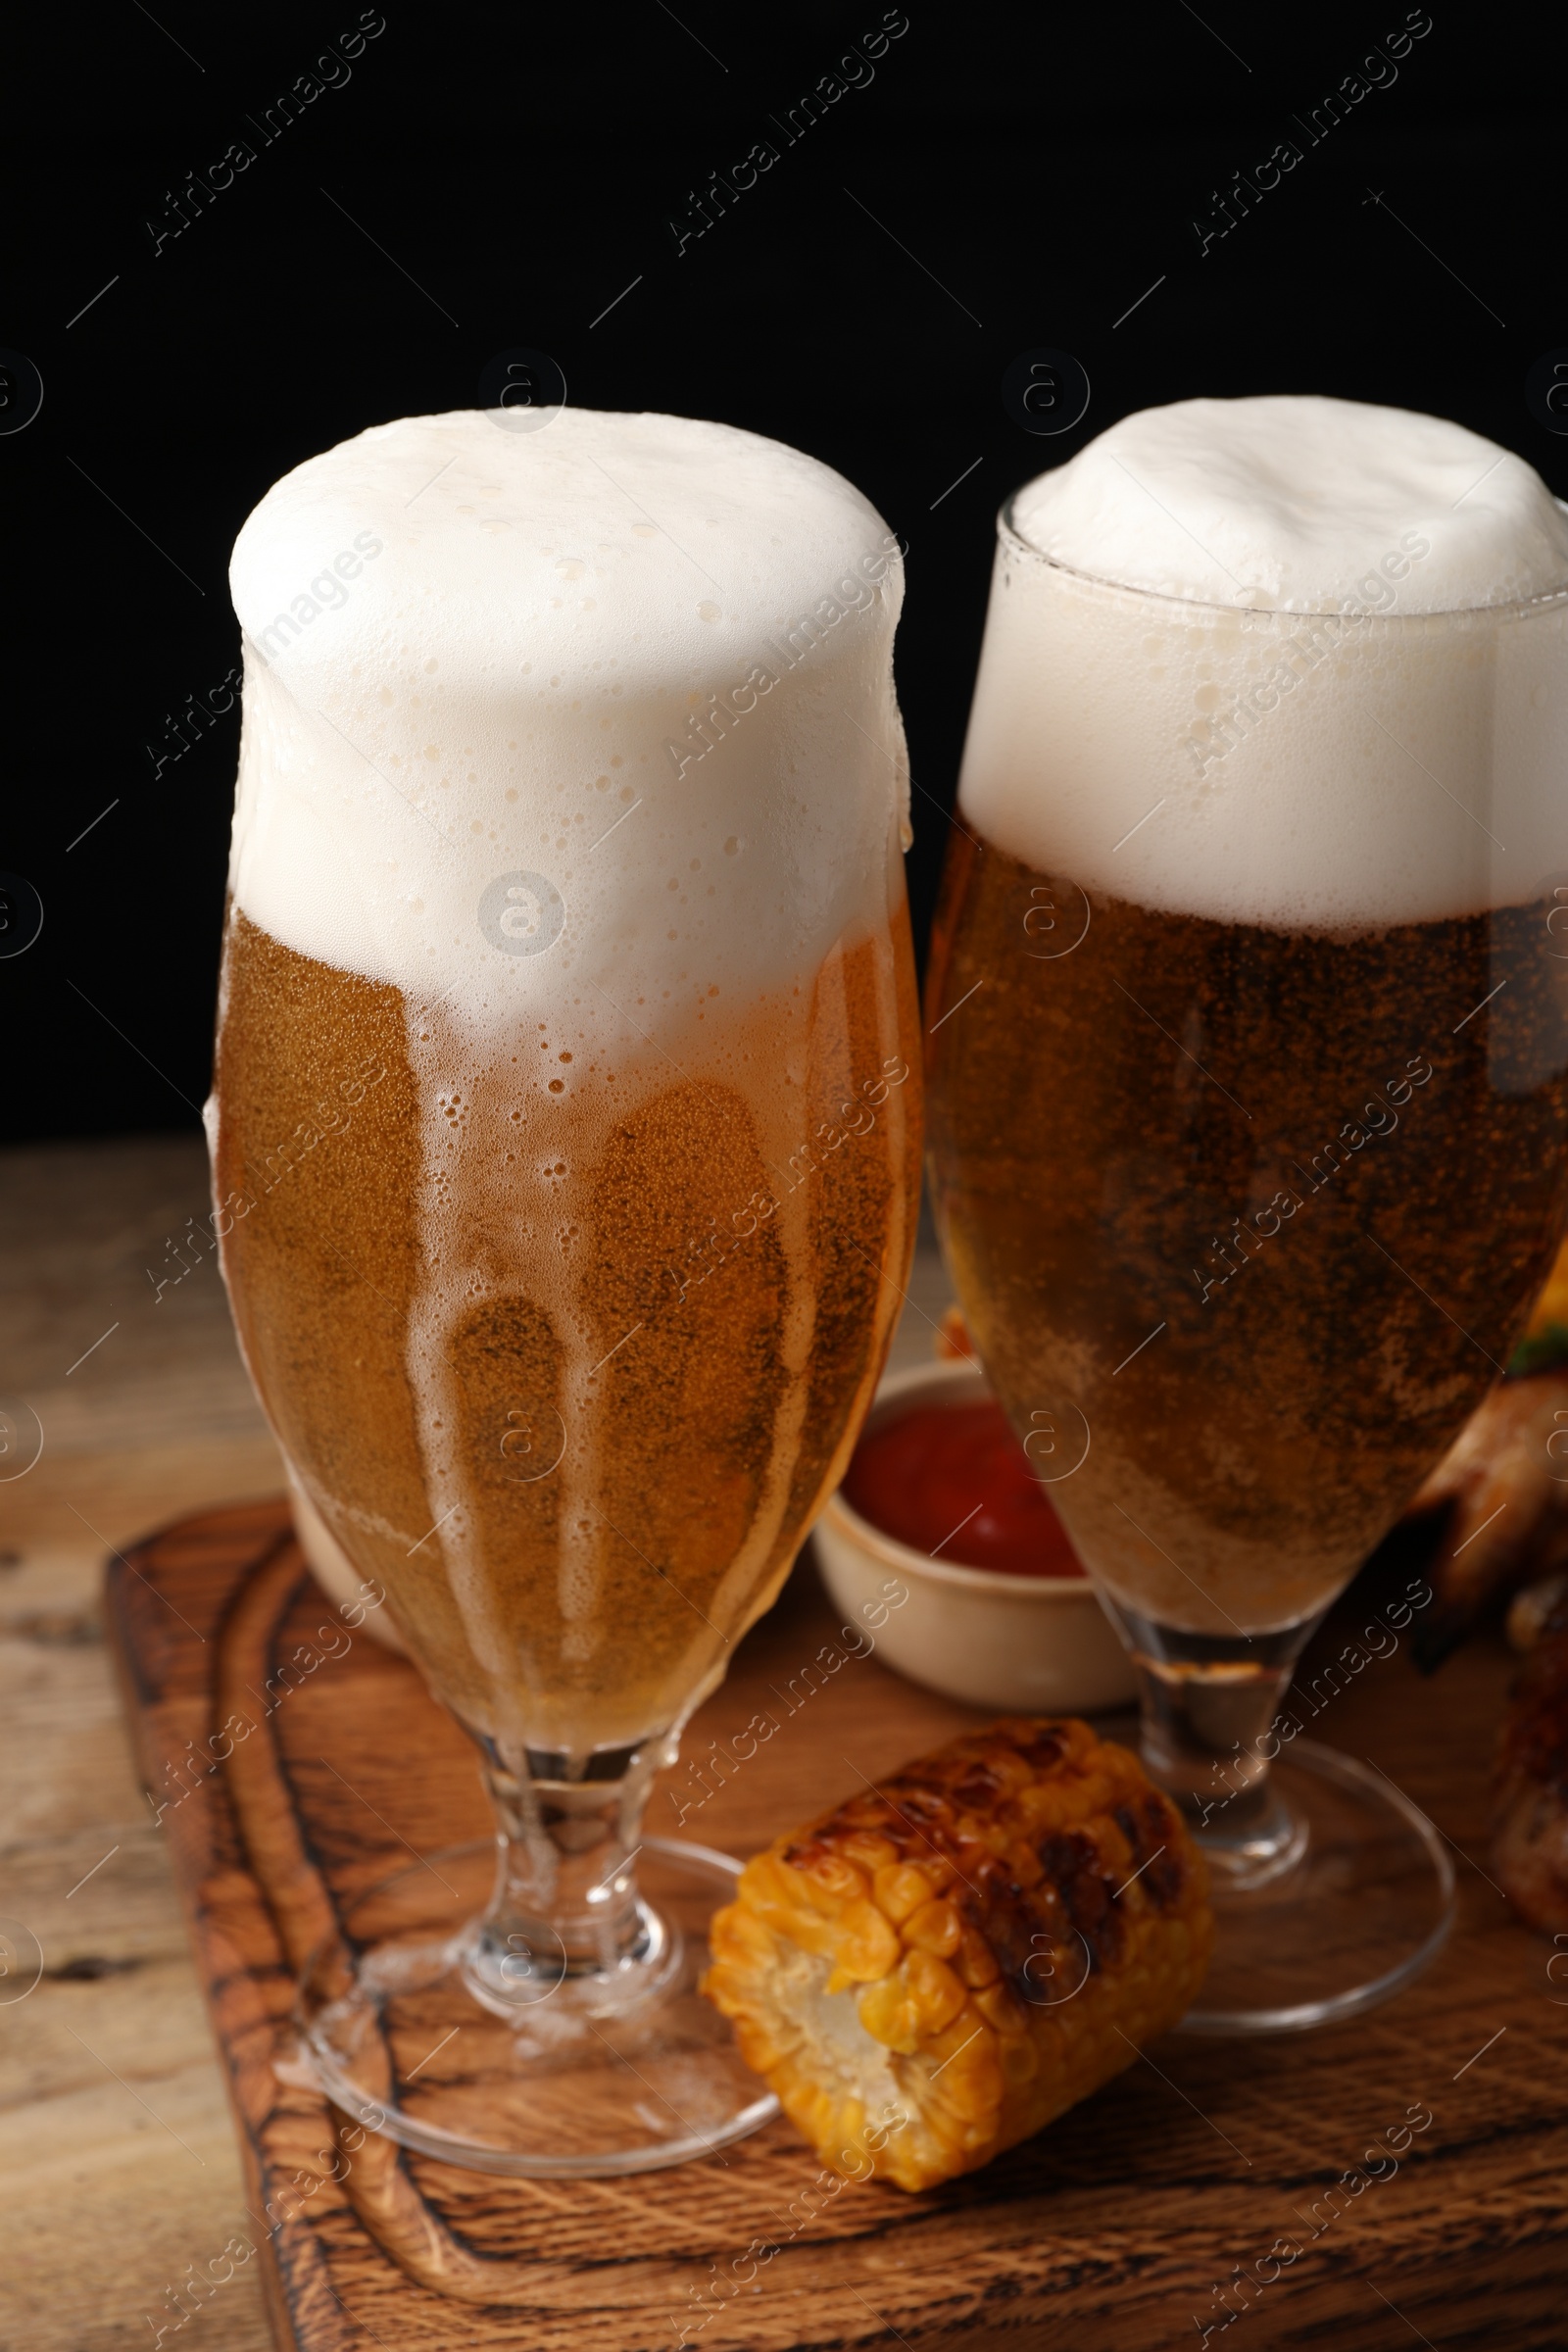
[977, 1963]
[1002, 2009]
[939, 1967]
[935, 1927]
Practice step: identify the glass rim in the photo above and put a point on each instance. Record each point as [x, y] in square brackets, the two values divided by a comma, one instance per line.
[1012, 538]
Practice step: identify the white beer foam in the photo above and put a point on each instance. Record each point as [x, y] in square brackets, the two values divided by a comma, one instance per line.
[1334, 706]
[1286, 503]
[469, 650]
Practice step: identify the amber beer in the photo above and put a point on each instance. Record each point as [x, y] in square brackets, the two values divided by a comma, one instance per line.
[673, 1290]
[1245, 1219]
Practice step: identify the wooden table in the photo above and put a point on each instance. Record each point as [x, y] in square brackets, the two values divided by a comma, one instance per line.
[120, 2168]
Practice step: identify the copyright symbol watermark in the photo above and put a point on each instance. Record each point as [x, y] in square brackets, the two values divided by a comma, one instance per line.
[20, 391]
[1056, 919]
[534, 1966]
[1546, 391]
[21, 1961]
[1046, 391]
[522, 390]
[521, 914]
[20, 914]
[1051, 1975]
[532, 1443]
[21, 1438]
[1056, 1443]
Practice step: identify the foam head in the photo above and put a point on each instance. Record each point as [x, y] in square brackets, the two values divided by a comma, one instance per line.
[1292, 503]
[1297, 661]
[523, 708]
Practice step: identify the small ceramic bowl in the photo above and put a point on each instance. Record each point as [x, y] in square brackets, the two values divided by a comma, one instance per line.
[1037, 1645]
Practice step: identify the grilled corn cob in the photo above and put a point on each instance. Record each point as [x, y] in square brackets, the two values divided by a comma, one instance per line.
[939, 1966]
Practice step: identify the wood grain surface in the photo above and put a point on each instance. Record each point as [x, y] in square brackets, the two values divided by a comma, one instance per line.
[1114, 2227]
[121, 2173]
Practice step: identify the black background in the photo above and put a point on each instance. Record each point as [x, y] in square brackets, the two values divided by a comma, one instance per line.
[508, 172]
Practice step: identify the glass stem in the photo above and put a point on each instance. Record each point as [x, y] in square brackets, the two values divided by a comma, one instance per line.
[566, 1910]
[1210, 1704]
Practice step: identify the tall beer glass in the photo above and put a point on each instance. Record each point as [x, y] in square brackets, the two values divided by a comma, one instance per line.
[565, 1157]
[1248, 1023]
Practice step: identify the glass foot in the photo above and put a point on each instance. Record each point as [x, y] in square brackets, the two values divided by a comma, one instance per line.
[524, 2067]
[1353, 1899]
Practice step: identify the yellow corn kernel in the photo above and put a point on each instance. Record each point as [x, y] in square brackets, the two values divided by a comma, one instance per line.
[1021, 2063]
[830, 1880]
[741, 1936]
[867, 1948]
[901, 1888]
[937, 1995]
[935, 1927]
[976, 1963]
[888, 2012]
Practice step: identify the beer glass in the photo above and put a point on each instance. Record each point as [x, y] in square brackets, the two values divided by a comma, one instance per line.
[1247, 1143]
[565, 1157]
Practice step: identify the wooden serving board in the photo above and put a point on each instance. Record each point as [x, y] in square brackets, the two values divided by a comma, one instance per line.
[1112, 2229]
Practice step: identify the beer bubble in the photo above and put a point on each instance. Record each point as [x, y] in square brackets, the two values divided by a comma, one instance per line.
[1056, 1443]
[21, 1438]
[522, 390]
[533, 1439]
[1046, 391]
[20, 391]
[21, 1961]
[1056, 919]
[20, 914]
[1546, 391]
[521, 913]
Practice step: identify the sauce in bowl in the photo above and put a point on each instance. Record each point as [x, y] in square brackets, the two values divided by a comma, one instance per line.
[954, 1482]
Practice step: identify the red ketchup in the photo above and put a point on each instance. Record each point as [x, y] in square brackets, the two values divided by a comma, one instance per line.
[952, 1480]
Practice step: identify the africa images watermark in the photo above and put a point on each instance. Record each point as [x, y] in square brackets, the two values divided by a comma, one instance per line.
[743, 2270]
[1379, 1118]
[326, 593]
[1320, 634]
[279, 1162]
[198, 194]
[1238, 1774]
[711, 1250]
[716, 717]
[723, 1760]
[1380, 2162]
[181, 734]
[196, 2289]
[185, 1774]
[855, 72]
[1378, 71]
